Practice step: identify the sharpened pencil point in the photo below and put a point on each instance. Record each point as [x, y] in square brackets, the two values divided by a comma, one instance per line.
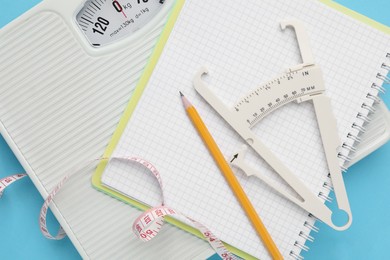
[185, 101]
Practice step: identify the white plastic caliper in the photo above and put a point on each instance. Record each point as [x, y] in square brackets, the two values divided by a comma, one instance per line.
[301, 83]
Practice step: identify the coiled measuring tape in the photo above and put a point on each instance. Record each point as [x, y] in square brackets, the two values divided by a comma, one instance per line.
[145, 227]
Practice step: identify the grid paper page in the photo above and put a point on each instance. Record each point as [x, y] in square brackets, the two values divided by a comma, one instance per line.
[242, 45]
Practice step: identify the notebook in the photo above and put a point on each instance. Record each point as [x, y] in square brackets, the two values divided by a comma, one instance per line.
[243, 46]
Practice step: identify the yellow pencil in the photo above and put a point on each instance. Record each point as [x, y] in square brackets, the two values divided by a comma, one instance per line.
[231, 178]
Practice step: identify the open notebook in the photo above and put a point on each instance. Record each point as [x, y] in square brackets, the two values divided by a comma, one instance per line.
[243, 46]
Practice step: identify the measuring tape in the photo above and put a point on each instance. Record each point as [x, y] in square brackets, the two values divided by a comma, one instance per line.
[145, 227]
[5, 182]
[105, 27]
[149, 223]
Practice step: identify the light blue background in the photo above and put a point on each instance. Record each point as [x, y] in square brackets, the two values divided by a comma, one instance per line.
[368, 184]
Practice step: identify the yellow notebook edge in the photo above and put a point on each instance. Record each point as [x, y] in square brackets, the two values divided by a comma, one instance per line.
[96, 178]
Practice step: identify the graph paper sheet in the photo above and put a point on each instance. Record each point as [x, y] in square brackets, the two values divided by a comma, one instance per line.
[242, 45]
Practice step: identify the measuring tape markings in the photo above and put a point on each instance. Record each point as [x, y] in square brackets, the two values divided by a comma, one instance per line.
[45, 207]
[5, 182]
[150, 222]
[145, 227]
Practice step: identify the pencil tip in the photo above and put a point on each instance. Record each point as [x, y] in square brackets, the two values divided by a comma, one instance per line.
[186, 103]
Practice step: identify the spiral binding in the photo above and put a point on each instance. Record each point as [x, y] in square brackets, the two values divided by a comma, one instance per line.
[295, 256]
[349, 147]
[327, 186]
[364, 116]
[356, 138]
[303, 247]
[378, 88]
[366, 119]
[311, 227]
[384, 78]
[368, 107]
[376, 99]
[344, 157]
[385, 66]
[306, 236]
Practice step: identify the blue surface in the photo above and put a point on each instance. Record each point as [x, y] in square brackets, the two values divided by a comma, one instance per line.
[367, 182]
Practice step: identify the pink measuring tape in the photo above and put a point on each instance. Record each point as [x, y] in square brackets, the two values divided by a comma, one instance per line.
[5, 182]
[145, 227]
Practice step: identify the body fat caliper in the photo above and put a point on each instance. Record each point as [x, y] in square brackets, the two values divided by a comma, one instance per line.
[300, 83]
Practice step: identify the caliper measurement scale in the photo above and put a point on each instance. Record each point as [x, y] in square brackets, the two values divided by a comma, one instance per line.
[301, 83]
[106, 21]
[279, 92]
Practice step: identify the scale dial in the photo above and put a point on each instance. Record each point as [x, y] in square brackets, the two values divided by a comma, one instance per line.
[106, 21]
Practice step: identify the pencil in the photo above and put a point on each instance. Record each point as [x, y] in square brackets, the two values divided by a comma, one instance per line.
[231, 178]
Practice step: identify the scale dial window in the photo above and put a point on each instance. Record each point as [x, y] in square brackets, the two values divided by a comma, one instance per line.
[106, 21]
